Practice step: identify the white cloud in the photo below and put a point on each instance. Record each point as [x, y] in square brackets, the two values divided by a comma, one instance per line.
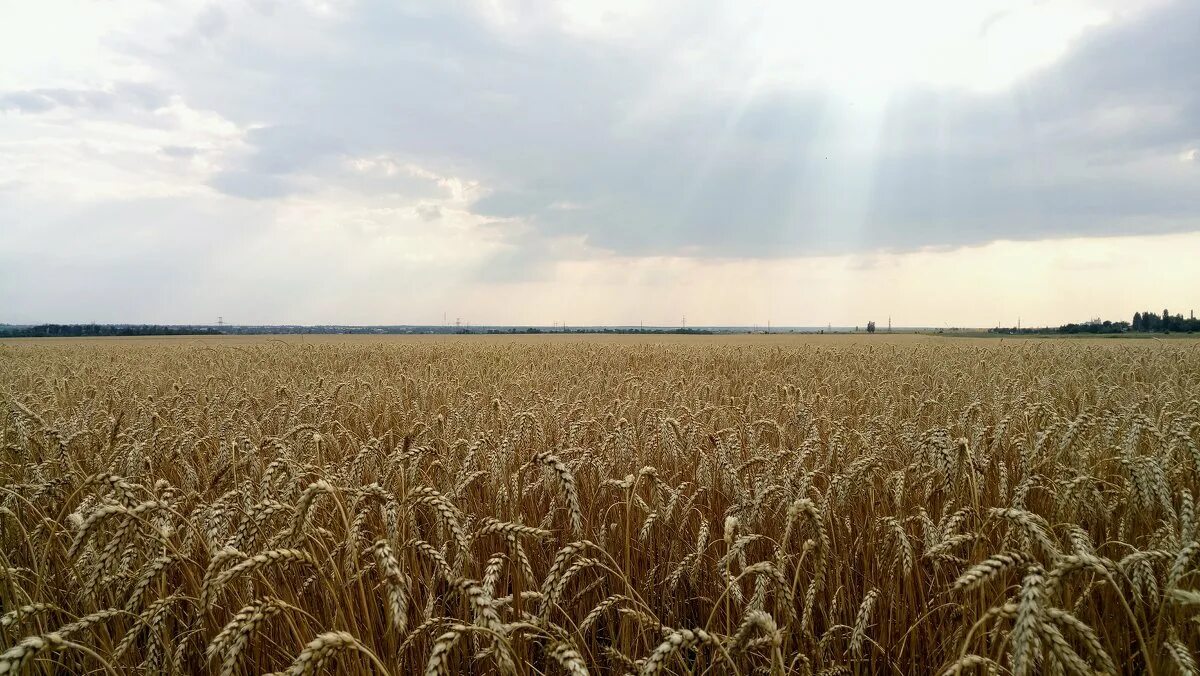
[858, 46]
[116, 153]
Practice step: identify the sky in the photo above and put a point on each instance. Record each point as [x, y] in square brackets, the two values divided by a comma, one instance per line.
[939, 162]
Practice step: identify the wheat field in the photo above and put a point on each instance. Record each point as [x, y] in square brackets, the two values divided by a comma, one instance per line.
[773, 505]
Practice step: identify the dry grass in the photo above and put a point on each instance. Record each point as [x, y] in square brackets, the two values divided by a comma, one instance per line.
[763, 505]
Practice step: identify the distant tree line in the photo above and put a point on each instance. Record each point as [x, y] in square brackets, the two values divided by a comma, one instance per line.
[83, 330]
[79, 330]
[1095, 326]
[620, 330]
[1143, 322]
[1152, 321]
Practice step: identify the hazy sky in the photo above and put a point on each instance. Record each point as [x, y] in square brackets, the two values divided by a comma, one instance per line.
[945, 162]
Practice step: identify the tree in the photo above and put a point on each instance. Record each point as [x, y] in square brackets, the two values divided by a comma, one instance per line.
[1137, 321]
[1150, 321]
[870, 327]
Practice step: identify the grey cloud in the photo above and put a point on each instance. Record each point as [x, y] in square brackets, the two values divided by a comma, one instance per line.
[211, 22]
[42, 100]
[133, 95]
[545, 120]
[279, 152]
[288, 148]
[429, 212]
[141, 95]
[282, 157]
[254, 186]
[950, 168]
[180, 152]
[26, 102]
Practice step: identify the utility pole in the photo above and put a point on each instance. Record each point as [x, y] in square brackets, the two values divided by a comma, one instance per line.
[889, 323]
[683, 322]
[220, 322]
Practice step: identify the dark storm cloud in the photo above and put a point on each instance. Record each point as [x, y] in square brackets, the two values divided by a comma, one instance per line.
[1087, 146]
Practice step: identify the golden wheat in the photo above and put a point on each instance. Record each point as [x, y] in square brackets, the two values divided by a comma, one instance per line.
[883, 505]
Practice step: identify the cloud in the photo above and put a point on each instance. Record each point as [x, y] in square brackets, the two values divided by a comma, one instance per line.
[180, 152]
[252, 185]
[545, 118]
[27, 102]
[429, 212]
[211, 22]
[133, 95]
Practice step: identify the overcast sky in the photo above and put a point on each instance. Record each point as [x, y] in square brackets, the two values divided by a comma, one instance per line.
[944, 162]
